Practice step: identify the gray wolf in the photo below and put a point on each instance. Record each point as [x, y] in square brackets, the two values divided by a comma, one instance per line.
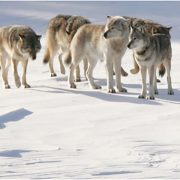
[150, 51]
[17, 44]
[104, 42]
[151, 28]
[61, 30]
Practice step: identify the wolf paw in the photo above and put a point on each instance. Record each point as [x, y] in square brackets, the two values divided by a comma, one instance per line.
[7, 86]
[27, 86]
[171, 92]
[123, 90]
[53, 74]
[141, 96]
[72, 85]
[96, 86]
[111, 90]
[151, 97]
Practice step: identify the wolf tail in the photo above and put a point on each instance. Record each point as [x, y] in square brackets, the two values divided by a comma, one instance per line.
[162, 70]
[51, 46]
[46, 56]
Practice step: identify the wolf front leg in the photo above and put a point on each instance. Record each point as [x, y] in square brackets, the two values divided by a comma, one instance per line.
[144, 88]
[4, 72]
[15, 72]
[118, 69]
[151, 72]
[109, 70]
[24, 66]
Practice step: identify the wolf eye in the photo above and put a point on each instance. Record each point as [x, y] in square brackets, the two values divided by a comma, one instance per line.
[134, 38]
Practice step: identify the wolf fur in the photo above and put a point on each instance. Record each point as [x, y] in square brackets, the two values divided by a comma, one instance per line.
[17, 44]
[107, 42]
[150, 51]
[60, 32]
[151, 28]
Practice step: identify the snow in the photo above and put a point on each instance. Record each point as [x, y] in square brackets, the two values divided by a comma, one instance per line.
[51, 131]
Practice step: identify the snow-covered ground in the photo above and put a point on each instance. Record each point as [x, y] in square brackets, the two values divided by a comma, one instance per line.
[51, 131]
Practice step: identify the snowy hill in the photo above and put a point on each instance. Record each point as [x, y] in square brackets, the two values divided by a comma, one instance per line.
[51, 131]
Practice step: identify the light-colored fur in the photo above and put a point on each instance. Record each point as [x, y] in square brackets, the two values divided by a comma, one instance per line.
[104, 42]
[17, 44]
[150, 51]
[61, 30]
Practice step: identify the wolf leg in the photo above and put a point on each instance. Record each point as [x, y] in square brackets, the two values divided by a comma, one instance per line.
[155, 84]
[71, 76]
[85, 66]
[118, 69]
[151, 71]
[15, 72]
[4, 72]
[144, 88]
[78, 78]
[51, 68]
[109, 69]
[62, 69]
[168, 68]
[24, 66]
[92, 64]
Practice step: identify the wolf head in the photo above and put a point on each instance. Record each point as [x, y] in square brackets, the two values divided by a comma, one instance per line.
[29, 44]
[138, 39]
[116, 27]
[150, 27]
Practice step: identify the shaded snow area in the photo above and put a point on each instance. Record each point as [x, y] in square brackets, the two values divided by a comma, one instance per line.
[53, 132]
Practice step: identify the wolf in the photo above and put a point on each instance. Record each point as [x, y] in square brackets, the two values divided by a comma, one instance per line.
[104, 42]
[151, 28]
[18, 43]
[150, 51]
[61, 30]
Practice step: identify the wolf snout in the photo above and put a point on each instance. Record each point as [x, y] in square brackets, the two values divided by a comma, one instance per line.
[129, 45]
[105, 35]
[33, 57]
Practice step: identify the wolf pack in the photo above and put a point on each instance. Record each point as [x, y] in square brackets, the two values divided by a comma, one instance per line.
[75, 39]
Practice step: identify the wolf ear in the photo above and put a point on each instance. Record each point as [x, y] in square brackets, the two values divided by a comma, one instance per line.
[169, 28]
[22, 36]
[38, 37]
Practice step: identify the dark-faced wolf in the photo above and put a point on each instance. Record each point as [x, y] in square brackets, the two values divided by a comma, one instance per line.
[17, 44]
[150, 51]
[151, 28]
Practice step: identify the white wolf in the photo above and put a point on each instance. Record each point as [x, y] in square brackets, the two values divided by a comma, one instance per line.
[106, 42]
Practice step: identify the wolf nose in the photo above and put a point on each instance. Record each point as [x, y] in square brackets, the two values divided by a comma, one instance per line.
[128, 45]
[34, 57]
[105, 34]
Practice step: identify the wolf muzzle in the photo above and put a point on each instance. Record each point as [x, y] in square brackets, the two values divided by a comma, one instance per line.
[105, 35]
[129, 45]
